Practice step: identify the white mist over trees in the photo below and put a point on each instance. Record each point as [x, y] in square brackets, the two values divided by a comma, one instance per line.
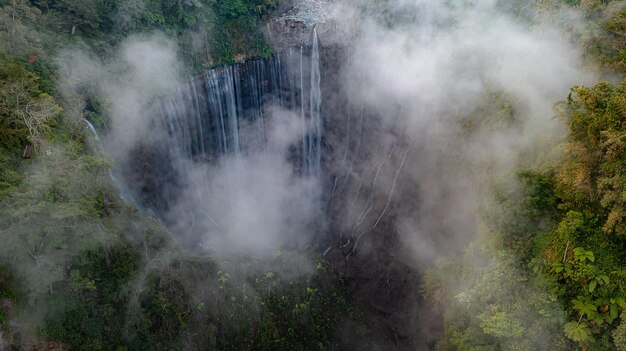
[434, 76]
[396, 174]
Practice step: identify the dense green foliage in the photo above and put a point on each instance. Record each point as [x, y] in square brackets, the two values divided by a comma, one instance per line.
[209, 32]
[85, 271]
[547, 270]
[191, 304]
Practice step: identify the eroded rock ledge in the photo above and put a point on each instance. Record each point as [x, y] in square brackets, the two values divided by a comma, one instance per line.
[293, 22]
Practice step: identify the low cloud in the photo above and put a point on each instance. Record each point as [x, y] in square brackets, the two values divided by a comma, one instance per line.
[471, 90]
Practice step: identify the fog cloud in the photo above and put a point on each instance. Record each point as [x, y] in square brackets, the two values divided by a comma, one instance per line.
[246, 202]
[473, 88]
[252, 203]
[144, 68]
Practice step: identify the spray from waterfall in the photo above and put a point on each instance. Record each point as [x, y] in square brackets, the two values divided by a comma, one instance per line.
[210, 116]
[230, 134]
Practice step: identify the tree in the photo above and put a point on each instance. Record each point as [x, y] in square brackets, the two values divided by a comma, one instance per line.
[22, 105]
[18, 35]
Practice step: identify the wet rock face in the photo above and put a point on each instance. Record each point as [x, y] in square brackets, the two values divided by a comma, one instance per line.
[293, 22]
[362, 239]
[361, 159]
[218, 142]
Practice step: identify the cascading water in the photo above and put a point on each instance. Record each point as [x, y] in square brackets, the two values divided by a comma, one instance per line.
[312, 154]
[208, 117]
[124, 195]
[214, 148]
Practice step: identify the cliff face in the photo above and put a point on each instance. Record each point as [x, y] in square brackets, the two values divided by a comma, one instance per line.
[292, 23]
[366, 179]
[358, 162]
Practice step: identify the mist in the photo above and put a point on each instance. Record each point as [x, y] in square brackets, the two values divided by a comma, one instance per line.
[252, 203]
[423, 79]
[470, 91]
[435, 102]
[444, 100]
[246, 203]
[143, 68]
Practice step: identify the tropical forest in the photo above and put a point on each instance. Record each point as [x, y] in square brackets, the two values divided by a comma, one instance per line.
[429, 175]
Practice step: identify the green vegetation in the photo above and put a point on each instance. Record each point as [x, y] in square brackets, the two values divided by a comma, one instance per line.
[209, 32]
[191, 302]
[547, 268]
[82, 269]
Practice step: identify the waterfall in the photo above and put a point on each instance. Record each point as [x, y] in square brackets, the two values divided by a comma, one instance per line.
[210, 117]
[94, 132]
[314, 137]
[211, 143]
[117, 185]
